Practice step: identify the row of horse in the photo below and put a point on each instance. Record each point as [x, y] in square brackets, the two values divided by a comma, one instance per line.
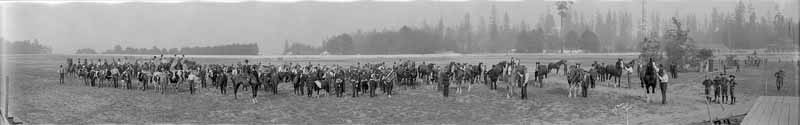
[171, 73]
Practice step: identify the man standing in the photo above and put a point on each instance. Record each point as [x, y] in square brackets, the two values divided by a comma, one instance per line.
[61, 74]
[673, 69]
[737, 65]
[354, 76]
[779, 79]
[732, 85]
[664, 78]
[524, 83]
[724, 88]
[444, 77]
[373, 82]
[707, 85]
[716, 85]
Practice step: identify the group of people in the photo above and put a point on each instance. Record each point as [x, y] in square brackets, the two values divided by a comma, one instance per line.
[169, 73]
[177, 73]
[722, 87]
[122, 73]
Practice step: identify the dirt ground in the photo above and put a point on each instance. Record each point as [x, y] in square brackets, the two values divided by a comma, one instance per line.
[36, 98]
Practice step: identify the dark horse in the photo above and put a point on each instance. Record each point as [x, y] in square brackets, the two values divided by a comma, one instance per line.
[425, 72]
[616, 72]
[649, 78]
[245, 77]
[494, 74]
[556, 65]
[540, 73]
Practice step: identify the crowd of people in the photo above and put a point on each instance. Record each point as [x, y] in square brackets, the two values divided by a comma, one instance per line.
[722, 87]
[314, 80]
[177, 73]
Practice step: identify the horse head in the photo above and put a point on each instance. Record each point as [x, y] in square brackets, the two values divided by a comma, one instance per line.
[562, 62]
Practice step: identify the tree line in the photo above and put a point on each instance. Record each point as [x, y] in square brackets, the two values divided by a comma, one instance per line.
[609, 31]
[227, 49]
[492, 34]
[25, 47]
[742, 28]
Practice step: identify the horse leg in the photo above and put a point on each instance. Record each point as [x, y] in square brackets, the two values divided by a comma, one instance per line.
[191, 87]
[557, 72]
[116, 82]
[255, 92]
[162, 85]
[573, 91]
[539, 80]
[629, 80]
[144, 84]
[508, 90]
[569, 89]
[494, 84]
[236, 89]
[294, 88]
[458, 85]
[222, 84]
[469, 87]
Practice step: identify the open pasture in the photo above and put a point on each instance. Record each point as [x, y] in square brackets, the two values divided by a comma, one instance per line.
[37, 98]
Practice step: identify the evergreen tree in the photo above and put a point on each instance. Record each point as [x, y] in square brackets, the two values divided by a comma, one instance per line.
[589, 41]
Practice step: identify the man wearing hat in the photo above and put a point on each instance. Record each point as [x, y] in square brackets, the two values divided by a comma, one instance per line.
[61, 74]
[779, 79]
[717, 80]
[444, 76]
[664, 78]
[724, 88]
[732, 85]
[707, 87]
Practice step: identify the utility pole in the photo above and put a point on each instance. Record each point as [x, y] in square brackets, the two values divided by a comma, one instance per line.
[643, 25]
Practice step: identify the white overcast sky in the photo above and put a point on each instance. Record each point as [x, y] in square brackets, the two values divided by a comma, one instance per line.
[69, 26]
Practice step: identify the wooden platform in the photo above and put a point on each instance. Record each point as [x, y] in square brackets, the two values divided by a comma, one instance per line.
[774, 110]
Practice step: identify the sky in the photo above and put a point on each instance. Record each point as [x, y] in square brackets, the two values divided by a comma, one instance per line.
[70, 26]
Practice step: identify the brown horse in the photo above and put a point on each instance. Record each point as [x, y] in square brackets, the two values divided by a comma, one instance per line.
[556, 66]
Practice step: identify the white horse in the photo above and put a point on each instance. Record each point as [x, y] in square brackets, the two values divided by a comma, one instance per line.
[160, 80]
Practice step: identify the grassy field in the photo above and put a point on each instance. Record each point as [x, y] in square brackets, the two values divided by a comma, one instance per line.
[36, 98]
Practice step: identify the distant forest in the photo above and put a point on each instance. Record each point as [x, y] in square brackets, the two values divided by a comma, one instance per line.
[611, 31]
[228, 49]
[25, 47]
